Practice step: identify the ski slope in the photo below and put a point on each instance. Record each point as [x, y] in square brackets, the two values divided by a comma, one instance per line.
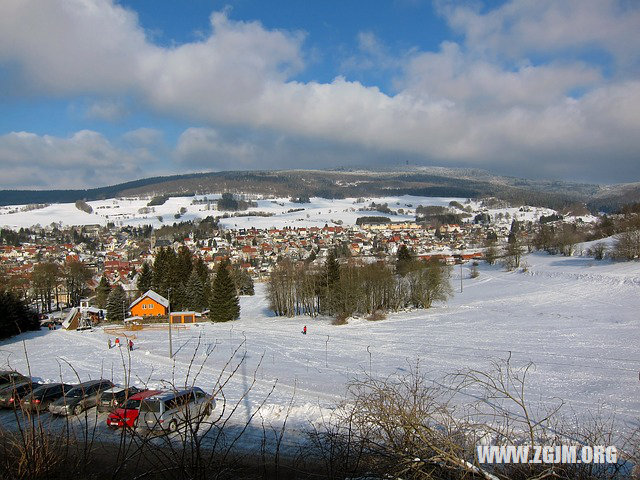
[575, 318]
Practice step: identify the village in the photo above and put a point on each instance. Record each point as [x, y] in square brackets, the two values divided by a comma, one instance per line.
[118, 253]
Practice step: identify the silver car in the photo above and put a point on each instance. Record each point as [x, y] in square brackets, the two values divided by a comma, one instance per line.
[80, 398]
[167, 411]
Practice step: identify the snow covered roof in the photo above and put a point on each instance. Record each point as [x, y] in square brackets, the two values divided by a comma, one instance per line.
[153, 296]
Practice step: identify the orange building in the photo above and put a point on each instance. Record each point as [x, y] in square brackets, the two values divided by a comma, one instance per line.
[183, 317]
[151, 304]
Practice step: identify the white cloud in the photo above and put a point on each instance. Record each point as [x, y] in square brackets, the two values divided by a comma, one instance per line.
[83, 160]
[451, 74]
[109, 110]
[464, 104]
[205, 148]
[144, 137]
[523, 27]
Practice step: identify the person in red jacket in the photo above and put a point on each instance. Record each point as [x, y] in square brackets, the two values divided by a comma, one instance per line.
[130, 345]
[304, 330]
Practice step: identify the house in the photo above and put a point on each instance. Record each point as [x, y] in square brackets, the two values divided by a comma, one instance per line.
[150, 304]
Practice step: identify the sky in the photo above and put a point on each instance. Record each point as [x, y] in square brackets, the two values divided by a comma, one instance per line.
[97, 92]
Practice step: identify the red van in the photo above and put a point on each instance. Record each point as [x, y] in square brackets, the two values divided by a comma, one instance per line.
[127, 415]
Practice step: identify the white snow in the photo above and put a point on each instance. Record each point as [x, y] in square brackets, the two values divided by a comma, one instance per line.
[575, 318]
[130, 211]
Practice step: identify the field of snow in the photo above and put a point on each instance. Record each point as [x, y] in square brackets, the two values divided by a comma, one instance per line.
[133, 211]
[575, 318]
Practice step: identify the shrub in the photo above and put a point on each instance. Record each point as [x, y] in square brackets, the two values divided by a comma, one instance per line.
[340, 319]
[598, 251]
[377, 315]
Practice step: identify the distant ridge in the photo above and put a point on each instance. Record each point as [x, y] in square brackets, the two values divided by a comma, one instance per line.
[352, 182]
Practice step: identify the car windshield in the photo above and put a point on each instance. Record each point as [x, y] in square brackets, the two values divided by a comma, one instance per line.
[76, 392]
[41, 391]
[132, 405]
[150, 406]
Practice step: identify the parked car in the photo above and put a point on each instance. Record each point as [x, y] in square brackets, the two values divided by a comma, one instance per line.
[166, 411]
[80, 398]
[11, 377]
[43, 395]
[113, 397]
[11, 394]
[127, 415]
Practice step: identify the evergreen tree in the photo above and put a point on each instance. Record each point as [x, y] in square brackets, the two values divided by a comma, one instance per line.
[203, 272]
[15, 315]
[224, 305]
[116, 304]
[513, 233]
[194, 292]
[403, 261]
[183, 264]
[102, 292]
[332, 286]
[162, 270]
[145, 279]
[333, 269]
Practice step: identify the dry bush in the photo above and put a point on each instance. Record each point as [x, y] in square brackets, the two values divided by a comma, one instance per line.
[397, 427]
[340, 319]
[598, 251]
[407, 427]
[377, 315]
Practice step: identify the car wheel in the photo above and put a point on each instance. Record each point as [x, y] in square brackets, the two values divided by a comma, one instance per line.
[77, 410]
[173, 426]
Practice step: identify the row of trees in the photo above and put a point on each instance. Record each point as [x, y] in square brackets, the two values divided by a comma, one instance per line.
[353, 288]
[186, 282]
[47, 279]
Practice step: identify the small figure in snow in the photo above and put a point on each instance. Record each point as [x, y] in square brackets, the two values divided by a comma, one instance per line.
[109, 343]
[304, 330]
[130, 345]
[117, 341]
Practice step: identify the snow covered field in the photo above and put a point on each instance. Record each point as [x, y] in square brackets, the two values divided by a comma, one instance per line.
[321, 211]
[575, 318]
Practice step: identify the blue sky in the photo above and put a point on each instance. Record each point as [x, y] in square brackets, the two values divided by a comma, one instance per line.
[95, 92]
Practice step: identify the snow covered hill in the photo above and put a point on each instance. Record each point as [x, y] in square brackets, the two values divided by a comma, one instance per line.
[134, 211]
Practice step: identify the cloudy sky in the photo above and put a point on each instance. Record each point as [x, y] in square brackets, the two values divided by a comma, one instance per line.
[95, 92]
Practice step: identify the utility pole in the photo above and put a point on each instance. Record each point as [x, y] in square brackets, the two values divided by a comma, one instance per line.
[170, 344]
[326, 352]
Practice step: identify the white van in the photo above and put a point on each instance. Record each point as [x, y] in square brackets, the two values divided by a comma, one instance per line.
[167, 411]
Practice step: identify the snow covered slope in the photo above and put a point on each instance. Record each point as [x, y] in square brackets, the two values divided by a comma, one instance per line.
[575, 318]
[321, 211]
[134, 211]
